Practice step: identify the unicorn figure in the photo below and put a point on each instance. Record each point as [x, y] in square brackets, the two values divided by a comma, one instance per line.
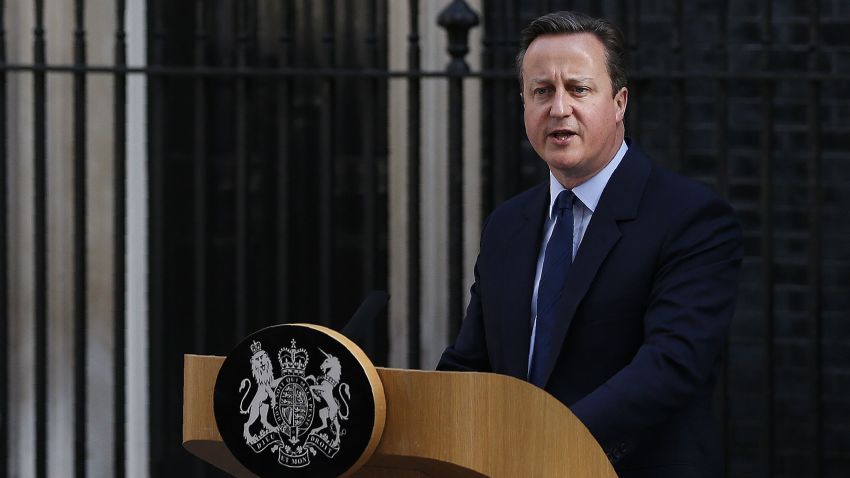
[323, 391]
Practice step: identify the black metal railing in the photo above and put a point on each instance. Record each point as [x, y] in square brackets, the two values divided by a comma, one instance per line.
[119, 243]
[414, 269]
[80, 242]
[5, 355]
[457, 19]
[40, 240]
[268, 190]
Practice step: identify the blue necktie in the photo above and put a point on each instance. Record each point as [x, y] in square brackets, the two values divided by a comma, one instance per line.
[556, 266]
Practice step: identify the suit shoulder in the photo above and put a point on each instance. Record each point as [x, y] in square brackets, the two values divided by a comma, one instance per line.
[514, 214]
[676, 204]
[679, 192]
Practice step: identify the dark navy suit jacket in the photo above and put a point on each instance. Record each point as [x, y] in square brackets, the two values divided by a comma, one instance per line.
[644, 315]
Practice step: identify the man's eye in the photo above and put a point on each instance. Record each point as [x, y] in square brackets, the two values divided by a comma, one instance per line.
[581, 90]
[541, 91]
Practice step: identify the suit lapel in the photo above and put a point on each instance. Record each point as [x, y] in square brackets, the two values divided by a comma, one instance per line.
[619, 202]
[520, 263]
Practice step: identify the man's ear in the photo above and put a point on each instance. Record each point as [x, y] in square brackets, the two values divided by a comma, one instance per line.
[621, 99]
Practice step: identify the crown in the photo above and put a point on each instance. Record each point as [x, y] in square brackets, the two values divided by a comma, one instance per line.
[256, 348]
[293, 361]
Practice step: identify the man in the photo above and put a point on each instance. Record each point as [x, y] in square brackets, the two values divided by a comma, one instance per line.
[612, 285]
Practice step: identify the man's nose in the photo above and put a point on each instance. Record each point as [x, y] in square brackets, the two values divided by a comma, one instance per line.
[561, 104]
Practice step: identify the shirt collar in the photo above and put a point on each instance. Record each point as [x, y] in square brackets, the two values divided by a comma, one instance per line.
[589, 191]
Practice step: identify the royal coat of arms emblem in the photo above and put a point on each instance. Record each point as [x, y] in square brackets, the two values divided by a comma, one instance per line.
[299, 399]
[285, 406]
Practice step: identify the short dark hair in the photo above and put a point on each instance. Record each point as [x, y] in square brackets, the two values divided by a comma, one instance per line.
[574, 22]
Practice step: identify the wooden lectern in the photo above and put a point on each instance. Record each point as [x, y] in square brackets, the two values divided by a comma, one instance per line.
[438, 424]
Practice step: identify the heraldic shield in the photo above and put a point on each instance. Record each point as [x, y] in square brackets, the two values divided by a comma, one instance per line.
[299, 400]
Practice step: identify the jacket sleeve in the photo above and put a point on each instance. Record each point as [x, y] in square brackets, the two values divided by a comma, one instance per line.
[685, 325]
[469, 351]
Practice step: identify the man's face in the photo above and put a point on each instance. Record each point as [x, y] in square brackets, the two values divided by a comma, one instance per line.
[572, 118]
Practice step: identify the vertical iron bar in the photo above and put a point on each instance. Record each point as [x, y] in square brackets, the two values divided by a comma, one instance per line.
[514, 140]
[326, 180]
[200, 179]
[120, 238]
[284, 98]
[457, 18]
[456, 208]
[767, 89]
[677, 147]
[722, 152]
[488, 54]
[40, 241]
[414, 105]
[157, 246]
[243, 36]
[370, 162]
[505, 164]
[722, 101]
[815, 233]
[632, 12]
[305, 35]
[80, 270]
[5, 312]
[199, 197]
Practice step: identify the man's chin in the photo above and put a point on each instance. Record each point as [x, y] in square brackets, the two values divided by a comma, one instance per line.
[569, 171]
[567, 163]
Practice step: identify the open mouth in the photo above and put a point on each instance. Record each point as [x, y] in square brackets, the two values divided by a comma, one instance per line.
[561, 134]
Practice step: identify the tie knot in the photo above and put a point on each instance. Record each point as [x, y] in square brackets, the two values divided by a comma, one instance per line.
[563, 201]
